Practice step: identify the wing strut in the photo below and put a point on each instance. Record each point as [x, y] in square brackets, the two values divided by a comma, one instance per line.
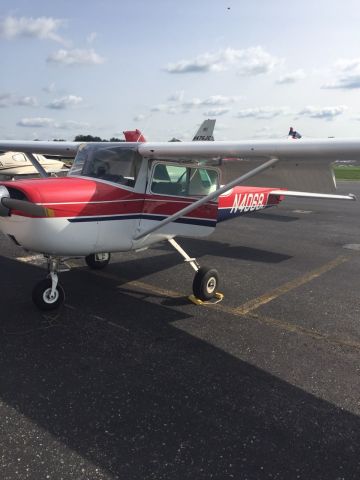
[209, 197]
[41, 171]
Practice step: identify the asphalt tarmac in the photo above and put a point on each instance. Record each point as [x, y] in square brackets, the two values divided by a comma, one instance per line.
[129, 380]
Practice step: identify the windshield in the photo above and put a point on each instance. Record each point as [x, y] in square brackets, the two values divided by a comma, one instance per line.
[119, 164]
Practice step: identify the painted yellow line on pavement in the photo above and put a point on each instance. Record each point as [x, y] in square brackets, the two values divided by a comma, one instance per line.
[288, 286]
[249, 315]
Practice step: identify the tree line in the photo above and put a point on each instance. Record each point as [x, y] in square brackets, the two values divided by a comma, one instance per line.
[90, 138]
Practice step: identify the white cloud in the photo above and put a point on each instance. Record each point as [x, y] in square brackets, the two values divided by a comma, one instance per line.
[262, 113]
[214, 100]
[250, 61]
[91, 37]
[64, 102]
[42, 122]
[185, 106]
[26, 101]
[324, 113]
[50, 88]
[9, 100]
[71, 125]
[140, 117]
[41, 27]
[267, 132]
[291, 77]
[35, 122]
[215, 112]
[177, 96]
[75, 57]
[346, 73]
[163, 107]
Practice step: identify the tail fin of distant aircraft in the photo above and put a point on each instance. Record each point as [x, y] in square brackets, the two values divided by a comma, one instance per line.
[134, 136]
[293, 134]
[205, 131]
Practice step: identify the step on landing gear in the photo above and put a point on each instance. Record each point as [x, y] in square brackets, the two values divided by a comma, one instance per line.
[206, 280]
[49, 294]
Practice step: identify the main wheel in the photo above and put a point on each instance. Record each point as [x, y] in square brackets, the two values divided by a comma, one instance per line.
[205, 283]
[97, 261]
[41, 295]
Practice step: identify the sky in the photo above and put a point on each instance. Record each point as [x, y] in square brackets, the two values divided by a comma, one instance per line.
[103, 66]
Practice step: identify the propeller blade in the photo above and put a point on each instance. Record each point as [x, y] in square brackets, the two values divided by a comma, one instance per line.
[26, 207]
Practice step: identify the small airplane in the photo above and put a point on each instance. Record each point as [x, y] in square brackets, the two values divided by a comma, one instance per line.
[16, 163]
[124, 196]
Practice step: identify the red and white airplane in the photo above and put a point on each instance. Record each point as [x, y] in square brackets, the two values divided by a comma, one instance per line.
[127, 196]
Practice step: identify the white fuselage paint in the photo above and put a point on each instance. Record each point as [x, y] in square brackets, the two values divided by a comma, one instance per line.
[58, 236]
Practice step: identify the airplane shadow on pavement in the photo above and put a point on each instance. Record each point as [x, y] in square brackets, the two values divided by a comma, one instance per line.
[137, 398]
[200, 247]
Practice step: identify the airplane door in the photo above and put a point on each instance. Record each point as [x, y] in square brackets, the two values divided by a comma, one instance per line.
[172, 187]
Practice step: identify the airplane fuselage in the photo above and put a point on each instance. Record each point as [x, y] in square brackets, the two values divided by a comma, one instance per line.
[86, 216]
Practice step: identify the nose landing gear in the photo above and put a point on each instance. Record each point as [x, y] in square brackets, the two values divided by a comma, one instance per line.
[49, 294]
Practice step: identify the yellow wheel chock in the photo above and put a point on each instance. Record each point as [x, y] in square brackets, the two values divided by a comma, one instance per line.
[217, 299]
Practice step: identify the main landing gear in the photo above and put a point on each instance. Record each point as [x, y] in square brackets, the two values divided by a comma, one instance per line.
[98, 261]
[206, 280]
[48, 294]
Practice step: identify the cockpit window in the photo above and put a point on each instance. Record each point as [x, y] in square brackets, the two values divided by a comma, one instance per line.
[111, 163]
[19, 157]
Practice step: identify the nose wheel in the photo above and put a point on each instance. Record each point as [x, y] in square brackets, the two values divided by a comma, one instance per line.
[46, 297]
[49, 294]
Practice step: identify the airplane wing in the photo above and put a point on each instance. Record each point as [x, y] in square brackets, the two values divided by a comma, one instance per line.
[50, 148]
[329, 149]
[301, 166]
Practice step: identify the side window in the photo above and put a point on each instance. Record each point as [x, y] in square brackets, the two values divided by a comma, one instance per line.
[202, 181]
[183, 181]
[169, 180]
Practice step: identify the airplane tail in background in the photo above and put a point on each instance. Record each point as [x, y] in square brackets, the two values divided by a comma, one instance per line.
[134, 136]
[205, 131]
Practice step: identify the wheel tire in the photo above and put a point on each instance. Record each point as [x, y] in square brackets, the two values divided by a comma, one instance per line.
[95, 261]
[41, 292]
[205, 283]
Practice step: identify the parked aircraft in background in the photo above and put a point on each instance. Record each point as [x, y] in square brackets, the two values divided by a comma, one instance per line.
[204, 133]
[17, 163]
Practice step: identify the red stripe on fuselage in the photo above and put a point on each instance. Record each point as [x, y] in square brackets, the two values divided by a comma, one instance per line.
[75, 197]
